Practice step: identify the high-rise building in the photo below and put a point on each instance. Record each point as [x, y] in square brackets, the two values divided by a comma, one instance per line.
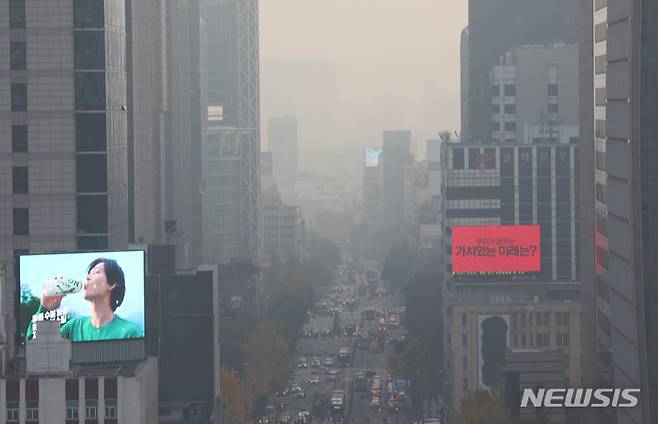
[63, 131]
[464, 75]
[534, 95]
[398, 198]
[494, 27]
[234, 105]
[626, 196]
[185, 129]
[282, 139]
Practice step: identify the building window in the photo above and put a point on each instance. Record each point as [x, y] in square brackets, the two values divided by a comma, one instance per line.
[19, 138]
[565, 318]
[19, 97]
[19, 179]
[522, 319]
[465, 384]
[523, 340]
[88, 13]
[510, 108]
[464, 319]
[495, 108]
[12, 412]
[90, 132]
[16, 14]
[547, 318]
[110, 408]
[516, 340]
[600, 31]
[464, 362]
[18, 56]
[565, 339]
[552, 89]
[32, 412]
[510, 126]
[90, 91]
[457, 158]
[552, 108]
[72, 410]
[495, 90]
[91, 409]
[464, 340]
[89, 49]
[510, 90]
[92, 214]
[600, 64]
[91, 173]
[495, 126]
[21, 222]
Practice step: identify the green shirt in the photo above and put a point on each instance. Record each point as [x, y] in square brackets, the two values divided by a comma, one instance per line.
[80, 329]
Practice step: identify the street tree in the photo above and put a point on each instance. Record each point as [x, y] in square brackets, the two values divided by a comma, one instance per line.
[235, 400]
[481, 407]
[267, 359]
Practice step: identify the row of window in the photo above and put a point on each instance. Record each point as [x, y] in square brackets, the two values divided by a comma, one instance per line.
[89, 129]
[509, 90]
[91, 217]
[508, 108]
[531, 340]
[508, 126]
[87, 14]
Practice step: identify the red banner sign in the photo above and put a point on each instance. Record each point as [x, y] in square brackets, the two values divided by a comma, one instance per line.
[496, 248]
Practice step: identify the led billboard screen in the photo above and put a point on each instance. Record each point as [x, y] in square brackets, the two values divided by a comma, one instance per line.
[372, 157]
[94, 295]
[496, 249]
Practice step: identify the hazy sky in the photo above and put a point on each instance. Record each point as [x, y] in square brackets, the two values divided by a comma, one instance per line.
[398, 57]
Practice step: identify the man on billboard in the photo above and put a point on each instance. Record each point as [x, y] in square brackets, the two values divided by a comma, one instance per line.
[104, 288]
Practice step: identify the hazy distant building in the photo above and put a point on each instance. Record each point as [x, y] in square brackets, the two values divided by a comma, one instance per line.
[234, 105]
[266, 171]
[372, 188]
[534, 95]
[494, 27]
[186, 120]
[398, 197]
[282, 139]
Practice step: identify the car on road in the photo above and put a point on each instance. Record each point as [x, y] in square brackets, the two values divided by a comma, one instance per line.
[331, 378]
[315, 332]
[314, 380]
[315, 363]
[304, 417]
[300, 394]
[296, 388]
[334, 371]
[328, 362]
[327, 332]
[285, 419]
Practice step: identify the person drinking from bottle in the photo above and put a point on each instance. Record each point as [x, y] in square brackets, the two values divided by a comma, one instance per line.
[104, 287]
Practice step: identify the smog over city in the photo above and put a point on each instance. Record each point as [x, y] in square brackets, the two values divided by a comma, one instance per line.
[328, 212]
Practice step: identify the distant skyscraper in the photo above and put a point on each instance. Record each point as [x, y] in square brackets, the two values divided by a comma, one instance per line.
[234, 102]
[464, 82]
[63, 131]
[282, 136]
[397, 186]
[185, 128]
[494, 27]
[626, 195]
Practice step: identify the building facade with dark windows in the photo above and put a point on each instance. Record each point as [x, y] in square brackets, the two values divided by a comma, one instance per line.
[516, 184]
[494, 27]
[626, 130]
[398, 197]
[63, 131]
